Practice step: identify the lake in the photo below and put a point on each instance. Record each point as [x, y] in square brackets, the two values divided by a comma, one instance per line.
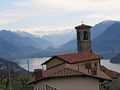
[35, 63]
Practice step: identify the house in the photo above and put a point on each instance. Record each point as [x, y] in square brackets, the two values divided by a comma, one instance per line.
[71, 72]
[75, 71]
[115, 76]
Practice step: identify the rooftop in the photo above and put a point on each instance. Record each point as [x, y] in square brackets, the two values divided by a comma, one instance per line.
[76, 57]
[112, 74]
[70, 71]
[82, 26]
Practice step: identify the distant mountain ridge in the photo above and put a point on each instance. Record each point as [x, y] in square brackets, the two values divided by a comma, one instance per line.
[13, 45]
[105, 42]
[99, 28]
[108, 43]
[62, 37]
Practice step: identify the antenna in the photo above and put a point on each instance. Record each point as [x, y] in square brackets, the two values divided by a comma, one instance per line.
[28, 68]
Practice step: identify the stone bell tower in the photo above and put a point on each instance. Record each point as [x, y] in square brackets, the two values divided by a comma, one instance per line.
[83, 38]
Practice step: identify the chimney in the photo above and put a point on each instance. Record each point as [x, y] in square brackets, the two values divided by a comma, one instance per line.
[83, 38]
[38, 73]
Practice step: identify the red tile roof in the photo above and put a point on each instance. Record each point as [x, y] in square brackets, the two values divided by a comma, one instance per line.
[79, 57]
[72, 72]
[82, 26]
[112, 74]
[65, 72]
[76, 57]
[68, 71]
[100, 74]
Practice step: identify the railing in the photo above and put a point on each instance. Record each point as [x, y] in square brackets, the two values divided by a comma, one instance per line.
[46, 87]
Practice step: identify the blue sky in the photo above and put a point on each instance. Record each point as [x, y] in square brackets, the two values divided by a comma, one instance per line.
[52, 15]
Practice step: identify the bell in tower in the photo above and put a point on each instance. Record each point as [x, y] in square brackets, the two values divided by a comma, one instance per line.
[83, 38]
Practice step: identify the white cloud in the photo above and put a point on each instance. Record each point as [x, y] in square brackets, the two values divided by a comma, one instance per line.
[17, 13]
[28, 10]
[103, 9]
[6, 21]
[73, 5]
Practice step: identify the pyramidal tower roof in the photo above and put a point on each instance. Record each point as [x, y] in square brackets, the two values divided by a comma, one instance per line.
[82, 26]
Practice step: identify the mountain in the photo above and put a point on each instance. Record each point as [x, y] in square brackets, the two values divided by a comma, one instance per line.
[13, 45]
[38, 42]
[61, 37]
[99, 28]
[105, 41]
[69, 47]
[24, 34]
[108, 43]
[115, 59]
[16, 70]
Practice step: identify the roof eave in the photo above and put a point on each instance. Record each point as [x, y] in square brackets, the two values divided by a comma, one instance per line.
[45, 78]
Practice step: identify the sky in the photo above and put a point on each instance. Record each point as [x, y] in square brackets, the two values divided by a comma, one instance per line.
[55, 15]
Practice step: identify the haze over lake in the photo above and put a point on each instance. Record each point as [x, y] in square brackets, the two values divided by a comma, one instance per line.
[35, 63]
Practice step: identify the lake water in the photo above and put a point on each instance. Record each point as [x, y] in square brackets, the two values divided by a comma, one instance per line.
[35, 63]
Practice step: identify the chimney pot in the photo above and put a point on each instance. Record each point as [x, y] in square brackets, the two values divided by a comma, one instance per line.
[38, 73]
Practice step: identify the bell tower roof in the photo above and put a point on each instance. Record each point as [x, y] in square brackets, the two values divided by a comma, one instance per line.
[83, 26]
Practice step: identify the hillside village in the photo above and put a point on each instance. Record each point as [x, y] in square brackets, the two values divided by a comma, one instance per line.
[61, 69]
[60, 45]
[76, 71]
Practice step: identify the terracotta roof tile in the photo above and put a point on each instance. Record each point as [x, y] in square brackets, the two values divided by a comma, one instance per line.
[112, 74]
[79, 57]
[100, 74]
[76, 57]
[73, 72]
[65, 72]
[70, 71]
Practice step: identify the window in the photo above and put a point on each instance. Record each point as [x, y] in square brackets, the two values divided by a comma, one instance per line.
[95, 64]
[85, 35]
[78, 35]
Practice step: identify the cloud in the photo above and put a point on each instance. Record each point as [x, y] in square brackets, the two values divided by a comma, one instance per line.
[6, 21]
[99, 8]
[51, 15]
[72, 5]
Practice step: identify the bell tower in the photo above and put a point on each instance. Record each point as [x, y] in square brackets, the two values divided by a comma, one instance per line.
[83, 38]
